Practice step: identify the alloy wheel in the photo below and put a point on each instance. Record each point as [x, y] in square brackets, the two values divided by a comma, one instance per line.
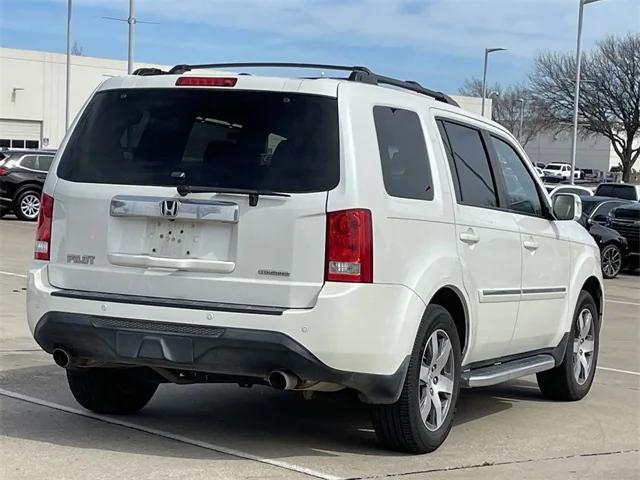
[583, 346]
[30, 205]
[436, 380]
[611, 261]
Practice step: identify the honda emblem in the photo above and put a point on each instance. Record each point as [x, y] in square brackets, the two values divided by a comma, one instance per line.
[169, 208]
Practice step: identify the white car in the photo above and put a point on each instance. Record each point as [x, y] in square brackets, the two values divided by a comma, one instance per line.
[307, 234]
[558, 170]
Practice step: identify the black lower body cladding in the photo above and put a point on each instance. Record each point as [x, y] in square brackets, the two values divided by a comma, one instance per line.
[235, 352]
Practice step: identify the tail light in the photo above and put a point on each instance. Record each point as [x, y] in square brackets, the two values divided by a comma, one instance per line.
[206, 82]
[43, 230]
[3, 171]
[349, 249]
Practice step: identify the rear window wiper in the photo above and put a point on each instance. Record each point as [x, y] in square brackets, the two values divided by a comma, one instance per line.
[184, 190]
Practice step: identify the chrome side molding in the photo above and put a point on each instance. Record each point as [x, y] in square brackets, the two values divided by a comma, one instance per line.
[180, 209]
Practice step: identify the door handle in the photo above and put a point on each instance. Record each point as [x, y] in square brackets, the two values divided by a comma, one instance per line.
[469, 237]
[531, 244]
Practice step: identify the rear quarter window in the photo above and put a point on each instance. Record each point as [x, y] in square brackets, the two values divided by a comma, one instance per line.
[30, 162]
[403, 153]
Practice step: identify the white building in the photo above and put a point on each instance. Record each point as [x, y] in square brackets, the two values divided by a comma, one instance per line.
[32, 94]
[593, 152]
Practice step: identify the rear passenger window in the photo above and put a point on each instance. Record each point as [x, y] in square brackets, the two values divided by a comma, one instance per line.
[476, 186]
[403, 153]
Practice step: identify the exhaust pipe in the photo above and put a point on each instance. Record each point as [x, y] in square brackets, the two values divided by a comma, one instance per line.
[281, 380]
[61, 357]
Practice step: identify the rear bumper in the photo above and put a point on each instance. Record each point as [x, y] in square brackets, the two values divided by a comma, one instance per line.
[223, 351]
[358, 336]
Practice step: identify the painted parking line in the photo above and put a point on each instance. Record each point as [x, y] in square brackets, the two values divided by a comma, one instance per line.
[11, 274]
[171, 436]
[628, 372]
[622, 303]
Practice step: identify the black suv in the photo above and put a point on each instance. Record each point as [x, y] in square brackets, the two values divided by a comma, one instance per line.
[626, 221]
[613, 246]
[22, 175]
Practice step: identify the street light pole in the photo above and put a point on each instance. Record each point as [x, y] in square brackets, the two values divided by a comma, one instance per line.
[487, 51]
[132, 26]
[576, 97]
[521, 100]
[67, 86]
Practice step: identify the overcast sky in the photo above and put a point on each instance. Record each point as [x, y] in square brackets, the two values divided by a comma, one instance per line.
[437, 42]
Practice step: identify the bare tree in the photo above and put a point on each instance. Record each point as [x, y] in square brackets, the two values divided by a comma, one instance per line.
[77, 49]
[609, 93]
[507, 108]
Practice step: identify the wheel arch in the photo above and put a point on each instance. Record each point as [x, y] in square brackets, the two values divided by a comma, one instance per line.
[28, 185]
[451, 298]
[594, 287]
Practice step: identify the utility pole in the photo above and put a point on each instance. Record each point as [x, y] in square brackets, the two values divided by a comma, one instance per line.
[132, 27]
[68, 79]
[132, 21]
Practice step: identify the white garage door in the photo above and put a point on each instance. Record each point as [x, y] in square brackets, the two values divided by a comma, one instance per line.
[20, 133]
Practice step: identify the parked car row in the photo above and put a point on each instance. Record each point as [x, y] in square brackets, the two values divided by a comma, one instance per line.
[561, 171]
[22, 175]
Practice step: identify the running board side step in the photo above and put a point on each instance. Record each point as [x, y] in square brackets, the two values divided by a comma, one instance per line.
[503, 372]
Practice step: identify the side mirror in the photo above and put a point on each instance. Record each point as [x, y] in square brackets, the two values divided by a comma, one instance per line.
[567, 206]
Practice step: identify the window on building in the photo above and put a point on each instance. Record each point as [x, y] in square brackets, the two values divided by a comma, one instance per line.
[403, 153]
[17, 143]
[476, 185]
[5, 142]
[32, 144]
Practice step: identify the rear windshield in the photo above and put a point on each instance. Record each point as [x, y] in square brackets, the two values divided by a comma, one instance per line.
[553, 167]
[234, 139]
[627, 192]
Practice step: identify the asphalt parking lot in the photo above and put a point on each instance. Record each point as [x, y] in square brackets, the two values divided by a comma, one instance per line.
[224, 432]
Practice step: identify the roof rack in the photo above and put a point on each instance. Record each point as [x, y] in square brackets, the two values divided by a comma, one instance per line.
[357, 74]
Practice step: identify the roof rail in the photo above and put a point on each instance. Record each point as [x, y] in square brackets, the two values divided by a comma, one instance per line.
[357, 74]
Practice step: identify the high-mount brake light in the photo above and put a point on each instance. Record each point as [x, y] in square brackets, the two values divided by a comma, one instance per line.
[43, 230]
[206, 82]
[349, 247]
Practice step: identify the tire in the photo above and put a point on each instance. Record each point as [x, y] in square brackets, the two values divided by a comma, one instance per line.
[26, 205]
[570, 381]
[109, 390]
[611, 260]
[400, 426]
[3, 211]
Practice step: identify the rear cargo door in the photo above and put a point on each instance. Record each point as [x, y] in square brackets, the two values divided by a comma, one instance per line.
[120, 225]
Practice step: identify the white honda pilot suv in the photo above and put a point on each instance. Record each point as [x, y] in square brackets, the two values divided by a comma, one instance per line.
[309, 234]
